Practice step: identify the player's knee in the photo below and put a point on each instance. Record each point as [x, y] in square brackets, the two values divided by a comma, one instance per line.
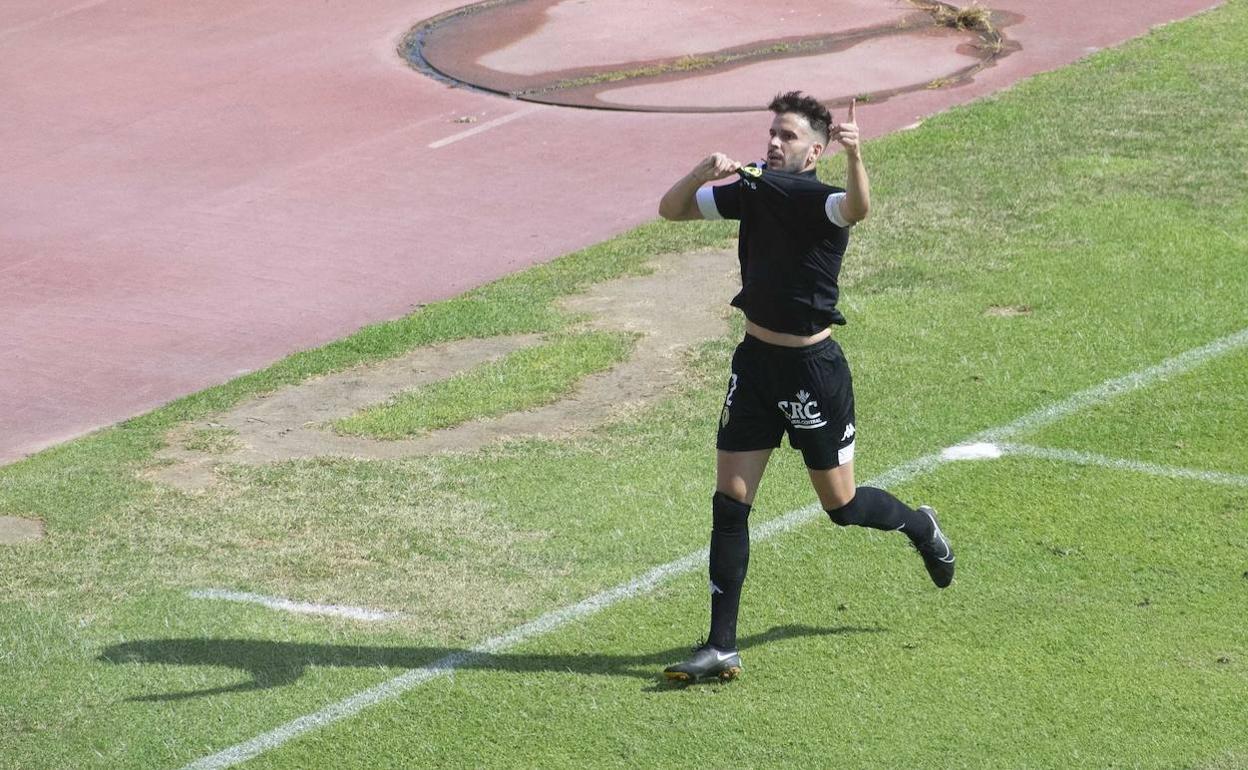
[847, 515]
[728, 516]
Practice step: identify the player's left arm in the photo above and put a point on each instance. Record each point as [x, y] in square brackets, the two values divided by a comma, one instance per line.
[857, 200]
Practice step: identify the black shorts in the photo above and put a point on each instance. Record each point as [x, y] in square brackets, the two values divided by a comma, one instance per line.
[806, 392]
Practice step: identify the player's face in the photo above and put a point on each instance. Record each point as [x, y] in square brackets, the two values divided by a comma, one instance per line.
[794, 146]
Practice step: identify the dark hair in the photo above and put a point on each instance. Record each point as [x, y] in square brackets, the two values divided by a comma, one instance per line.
[806, 106]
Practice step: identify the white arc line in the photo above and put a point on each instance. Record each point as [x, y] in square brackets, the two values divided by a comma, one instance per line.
[287, 605]
[486, 126]
[1152, 469]
[553, 620]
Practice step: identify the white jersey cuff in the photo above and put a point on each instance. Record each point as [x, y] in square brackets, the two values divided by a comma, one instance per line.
[832, 206]
[706, 203]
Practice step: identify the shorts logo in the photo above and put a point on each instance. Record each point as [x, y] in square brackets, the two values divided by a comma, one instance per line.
[803, 413]
[849, 432]
[732, 388]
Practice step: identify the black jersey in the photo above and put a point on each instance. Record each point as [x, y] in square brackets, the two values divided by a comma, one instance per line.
[790, 245]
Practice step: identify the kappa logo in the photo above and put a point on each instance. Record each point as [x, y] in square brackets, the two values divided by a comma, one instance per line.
[849, 432]
[803, 413]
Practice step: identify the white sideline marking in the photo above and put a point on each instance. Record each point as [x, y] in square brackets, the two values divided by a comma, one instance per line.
[980, 451]
[307, 608]
[1152, 469]
[486, 126]
[552, 620]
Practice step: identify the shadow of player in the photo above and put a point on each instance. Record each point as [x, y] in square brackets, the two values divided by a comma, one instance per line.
[276, 664]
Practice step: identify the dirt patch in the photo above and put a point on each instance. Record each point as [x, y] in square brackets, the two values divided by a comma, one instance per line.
[682, 303]
[1007, 311]
[15, 530]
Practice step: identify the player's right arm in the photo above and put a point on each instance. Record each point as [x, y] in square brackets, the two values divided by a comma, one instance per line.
[680, 203]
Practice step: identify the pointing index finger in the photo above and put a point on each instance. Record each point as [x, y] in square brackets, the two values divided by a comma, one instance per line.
[852, 103]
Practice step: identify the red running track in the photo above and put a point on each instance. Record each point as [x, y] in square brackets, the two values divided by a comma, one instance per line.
[189, 191]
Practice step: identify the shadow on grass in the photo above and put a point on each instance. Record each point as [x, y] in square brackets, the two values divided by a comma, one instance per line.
[276, 664]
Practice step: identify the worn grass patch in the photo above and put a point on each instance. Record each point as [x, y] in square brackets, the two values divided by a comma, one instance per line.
[527, 378]
[213, 440]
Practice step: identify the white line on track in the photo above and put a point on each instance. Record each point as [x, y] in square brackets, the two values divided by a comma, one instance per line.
[50, 17]
[486, 126]
[1152, 469]
[307, 608]
[640, 585]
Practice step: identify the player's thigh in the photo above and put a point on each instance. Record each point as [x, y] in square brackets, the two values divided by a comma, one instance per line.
[738, 474]
[834, 486]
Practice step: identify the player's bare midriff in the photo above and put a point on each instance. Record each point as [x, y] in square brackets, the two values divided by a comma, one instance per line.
[782, 339]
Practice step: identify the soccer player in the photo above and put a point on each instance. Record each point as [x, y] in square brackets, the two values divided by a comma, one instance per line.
[788, 374]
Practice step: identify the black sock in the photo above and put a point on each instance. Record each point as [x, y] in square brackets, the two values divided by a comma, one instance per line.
[730, 555]
[877, 509]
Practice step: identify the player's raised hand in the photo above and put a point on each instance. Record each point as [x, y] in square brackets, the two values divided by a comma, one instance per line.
[716, 166]
[847, 133]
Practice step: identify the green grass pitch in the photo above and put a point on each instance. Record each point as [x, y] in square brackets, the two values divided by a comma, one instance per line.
[1098, 615]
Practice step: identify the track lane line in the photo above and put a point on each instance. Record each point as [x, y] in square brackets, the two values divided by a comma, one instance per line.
[54, 16]
[486, 126]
